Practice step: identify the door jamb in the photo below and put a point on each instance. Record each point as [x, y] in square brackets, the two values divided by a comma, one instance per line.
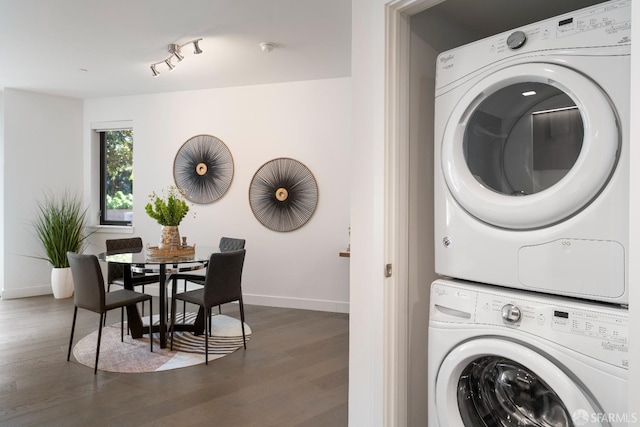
[396, 345]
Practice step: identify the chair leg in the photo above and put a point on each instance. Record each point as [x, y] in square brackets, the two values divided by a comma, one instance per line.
[173, 312]
[73, 328]
[143, 302]
[184, 304]
[244, 338]
[104, 323]
[151, 324]
[206, 337]
[122, 324]
[95, 369]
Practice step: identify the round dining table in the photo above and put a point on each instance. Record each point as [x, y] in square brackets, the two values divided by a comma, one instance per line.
[138, 261]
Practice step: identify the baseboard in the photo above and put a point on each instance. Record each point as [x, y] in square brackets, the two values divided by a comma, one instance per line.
[266, 300]
[34, 291]
[299, 303]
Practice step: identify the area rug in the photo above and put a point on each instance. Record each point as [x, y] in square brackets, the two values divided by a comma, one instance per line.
[134, 355]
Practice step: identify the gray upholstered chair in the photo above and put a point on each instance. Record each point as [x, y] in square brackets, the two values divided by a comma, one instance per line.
[89, 294]
[115, 272]
[230, 244]
[226, 244]
[222, 284]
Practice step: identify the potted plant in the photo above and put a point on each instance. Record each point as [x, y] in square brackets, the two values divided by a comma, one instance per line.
[168, 211]
[60, 227]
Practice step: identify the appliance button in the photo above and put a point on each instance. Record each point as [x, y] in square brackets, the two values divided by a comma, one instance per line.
[511, 313]
[516, 40]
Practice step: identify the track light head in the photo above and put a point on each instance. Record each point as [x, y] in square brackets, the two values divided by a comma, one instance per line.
[175, 50]
[155, 72]
[196, 48]
[169, 64]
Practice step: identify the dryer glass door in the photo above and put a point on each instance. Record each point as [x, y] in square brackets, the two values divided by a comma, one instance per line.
[523, 138]
[530, 145]
[487, 382]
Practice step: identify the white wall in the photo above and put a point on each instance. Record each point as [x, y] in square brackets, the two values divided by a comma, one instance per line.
[309, 121]
[366, 320]
[42, 152]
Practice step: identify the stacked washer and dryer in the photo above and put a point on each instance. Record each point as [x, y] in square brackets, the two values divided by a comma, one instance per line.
[529, 324]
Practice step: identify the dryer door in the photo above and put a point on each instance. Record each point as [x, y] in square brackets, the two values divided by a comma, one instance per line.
[494, 382]
[530, 145]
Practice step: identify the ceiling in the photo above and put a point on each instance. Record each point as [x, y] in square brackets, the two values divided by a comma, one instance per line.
[100, 48]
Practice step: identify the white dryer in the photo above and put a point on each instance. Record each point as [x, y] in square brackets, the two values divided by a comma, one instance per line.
[532, 156]
[500, 357]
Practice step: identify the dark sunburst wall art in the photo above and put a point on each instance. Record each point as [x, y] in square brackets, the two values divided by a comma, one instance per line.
[203, 168]
[283, 194]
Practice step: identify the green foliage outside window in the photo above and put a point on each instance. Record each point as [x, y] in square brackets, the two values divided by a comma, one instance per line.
[120, 201]
[119, 171]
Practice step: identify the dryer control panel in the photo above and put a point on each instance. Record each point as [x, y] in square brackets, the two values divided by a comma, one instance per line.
[593, 329]
[599, 27]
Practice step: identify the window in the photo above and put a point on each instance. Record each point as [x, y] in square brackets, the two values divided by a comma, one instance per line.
[116, 177]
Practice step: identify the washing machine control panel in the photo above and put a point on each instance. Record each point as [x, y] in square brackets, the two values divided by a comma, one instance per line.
[592, 329]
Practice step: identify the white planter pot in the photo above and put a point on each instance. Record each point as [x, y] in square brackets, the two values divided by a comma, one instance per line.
[62, 282]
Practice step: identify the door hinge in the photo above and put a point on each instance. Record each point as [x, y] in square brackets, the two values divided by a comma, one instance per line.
[388, 270]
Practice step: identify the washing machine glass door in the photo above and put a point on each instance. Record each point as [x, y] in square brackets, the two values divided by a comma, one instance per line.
[491, 382]
[530, 145]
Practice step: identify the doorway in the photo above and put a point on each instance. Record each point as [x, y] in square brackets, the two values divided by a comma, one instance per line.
[418, 31]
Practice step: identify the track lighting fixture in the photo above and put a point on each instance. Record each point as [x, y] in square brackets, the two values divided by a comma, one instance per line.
[175, 50]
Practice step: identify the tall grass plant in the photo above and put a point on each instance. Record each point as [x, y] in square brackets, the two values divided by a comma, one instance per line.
[60, 227]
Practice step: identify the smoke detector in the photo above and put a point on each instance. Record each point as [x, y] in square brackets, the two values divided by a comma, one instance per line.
[267, 47]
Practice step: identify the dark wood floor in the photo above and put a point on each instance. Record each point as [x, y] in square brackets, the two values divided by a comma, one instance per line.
[294, 372]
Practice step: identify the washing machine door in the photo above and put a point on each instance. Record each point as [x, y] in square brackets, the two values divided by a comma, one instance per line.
[530, 145]
[491, 382]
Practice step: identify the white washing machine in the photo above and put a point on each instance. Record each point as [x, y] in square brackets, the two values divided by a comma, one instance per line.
[532, 156]
[500, 357]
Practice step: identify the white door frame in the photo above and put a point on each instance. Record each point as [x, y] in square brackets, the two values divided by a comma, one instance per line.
[396, 321]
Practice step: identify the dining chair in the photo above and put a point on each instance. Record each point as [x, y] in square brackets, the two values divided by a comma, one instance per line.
[222, 284]
[115, 272]
[226, 244]
[89, 294]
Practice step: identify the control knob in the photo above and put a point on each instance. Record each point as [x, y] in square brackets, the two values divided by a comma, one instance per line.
[516, 40]
[511, 313]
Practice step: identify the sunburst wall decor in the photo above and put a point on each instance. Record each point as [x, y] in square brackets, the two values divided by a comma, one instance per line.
[283, 194]
[203, 167]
